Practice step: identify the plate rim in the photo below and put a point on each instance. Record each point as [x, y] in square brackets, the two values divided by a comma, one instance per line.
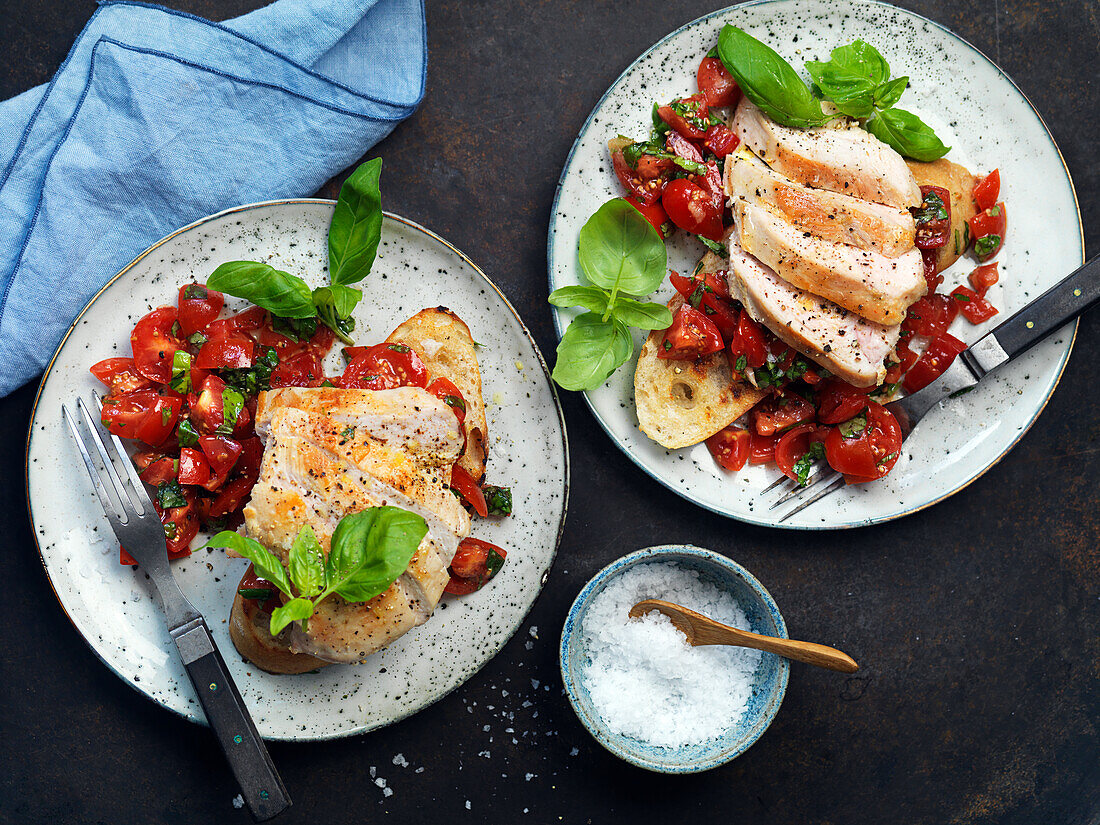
[200, 718]
[670, 485]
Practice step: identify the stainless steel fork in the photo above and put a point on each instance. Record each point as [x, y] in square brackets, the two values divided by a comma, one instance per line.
[1050, 311]
[136, 525]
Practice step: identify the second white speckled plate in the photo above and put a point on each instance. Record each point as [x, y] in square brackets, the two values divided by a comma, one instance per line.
[113, 607]
[978, 111]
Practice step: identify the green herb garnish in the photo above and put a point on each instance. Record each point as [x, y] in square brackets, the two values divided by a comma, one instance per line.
[170, 494]
[498, 499]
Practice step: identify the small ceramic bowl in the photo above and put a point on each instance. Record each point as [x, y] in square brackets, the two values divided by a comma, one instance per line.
[769, 682]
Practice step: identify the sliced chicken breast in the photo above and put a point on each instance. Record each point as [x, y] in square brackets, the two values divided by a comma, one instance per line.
[847, 160]
[848, 346]
[865, 282]
[827, 215]
[330, 452]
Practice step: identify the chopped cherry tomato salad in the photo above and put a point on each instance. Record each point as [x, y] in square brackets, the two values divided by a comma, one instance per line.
[187, 397]
[674, 178]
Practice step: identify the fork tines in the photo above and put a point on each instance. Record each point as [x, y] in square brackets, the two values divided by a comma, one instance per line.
[129, 501]
[821, 481]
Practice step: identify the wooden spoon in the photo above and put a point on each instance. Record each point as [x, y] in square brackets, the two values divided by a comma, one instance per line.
[701, 630]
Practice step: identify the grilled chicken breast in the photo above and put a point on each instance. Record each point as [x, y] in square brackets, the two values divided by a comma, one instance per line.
[330, 452]
[827, 215]
[847, 160]
[847, 345]
[860, 280]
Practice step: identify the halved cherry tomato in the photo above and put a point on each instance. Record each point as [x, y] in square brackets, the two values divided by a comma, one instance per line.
[198, 306]
[838, 401]
[933, 218]
[647, 180]
[250, 320]
[474, 564]
[749, 343]
[230, 497]
[208, 406]
[932, 275]
[931, 315]
[721, 140]
[689, 116]
[250, 459]
[709, 293]
[449, 394]
[221, 454]
[157, 470]
[154, 345]
[973, 306]
[987, 189]
[776, 414]
[143, 414]
[937, 358]
[285, 346]
[653, 212]
[467, 487]
[161, 421]
[907, 356]
[791, 446]
[120, 375]
[716, 84]
[730, 447]
[234, 351]
[692, 209]
[691, 336]
[761, 448]
[984, 277]
[194, 468]
[987, 229]
[867, 448]
[384, 366]
[301, 370]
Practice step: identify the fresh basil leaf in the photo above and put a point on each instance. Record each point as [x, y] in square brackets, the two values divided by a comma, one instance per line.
[591, 298]
[370, 549]
[260, 594]
[356, 226]
[987, 245]
[621, 251]
[853, 72]
[267, 565]
[803, 466]
[719, 249]
[907, 134]
[306, 563]
[590, 350]
[889, 93]
[342, 299]
[181, 372]
[498, 500]
[853, 426]
[768, 80]
[232, 404]
[276, 291]
[170, 494]
[186, 434]
[292, 611]
[296, 329]
[642, 314]
[252, 380]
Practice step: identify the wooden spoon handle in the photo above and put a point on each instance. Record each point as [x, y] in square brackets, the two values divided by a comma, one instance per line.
[809, 652]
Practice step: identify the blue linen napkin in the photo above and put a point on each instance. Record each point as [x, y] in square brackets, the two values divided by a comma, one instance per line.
[157, 118]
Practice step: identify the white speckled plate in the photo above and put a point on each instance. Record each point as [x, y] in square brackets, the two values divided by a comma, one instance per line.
[113, 607]
[979, 112]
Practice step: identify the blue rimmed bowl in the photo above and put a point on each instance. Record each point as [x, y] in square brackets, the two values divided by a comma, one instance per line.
[769, 681]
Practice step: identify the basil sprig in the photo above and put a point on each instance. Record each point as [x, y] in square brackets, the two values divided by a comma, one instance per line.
[856, 80]
[353, 238]
[768, 80]
[368, 551]
[622, 256]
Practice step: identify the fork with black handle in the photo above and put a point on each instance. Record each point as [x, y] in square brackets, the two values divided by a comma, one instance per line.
[137, 527]
[1060, 304]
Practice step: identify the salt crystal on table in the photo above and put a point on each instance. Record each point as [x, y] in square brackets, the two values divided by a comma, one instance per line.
[467, 804]
[645, 680]
[401, 761]
[238, 801]
[387, 792]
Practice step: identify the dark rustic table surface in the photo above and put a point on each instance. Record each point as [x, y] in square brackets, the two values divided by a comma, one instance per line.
[976, 621]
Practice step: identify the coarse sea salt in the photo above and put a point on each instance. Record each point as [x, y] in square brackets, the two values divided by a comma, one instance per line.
[645, 680]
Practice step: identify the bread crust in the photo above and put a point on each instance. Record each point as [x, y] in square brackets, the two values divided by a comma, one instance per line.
[959, 181]
[249, 629]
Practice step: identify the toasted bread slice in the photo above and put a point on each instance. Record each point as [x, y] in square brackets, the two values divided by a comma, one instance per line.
[446, 346]
[250, 630]
[959, 181]
[681, 403]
